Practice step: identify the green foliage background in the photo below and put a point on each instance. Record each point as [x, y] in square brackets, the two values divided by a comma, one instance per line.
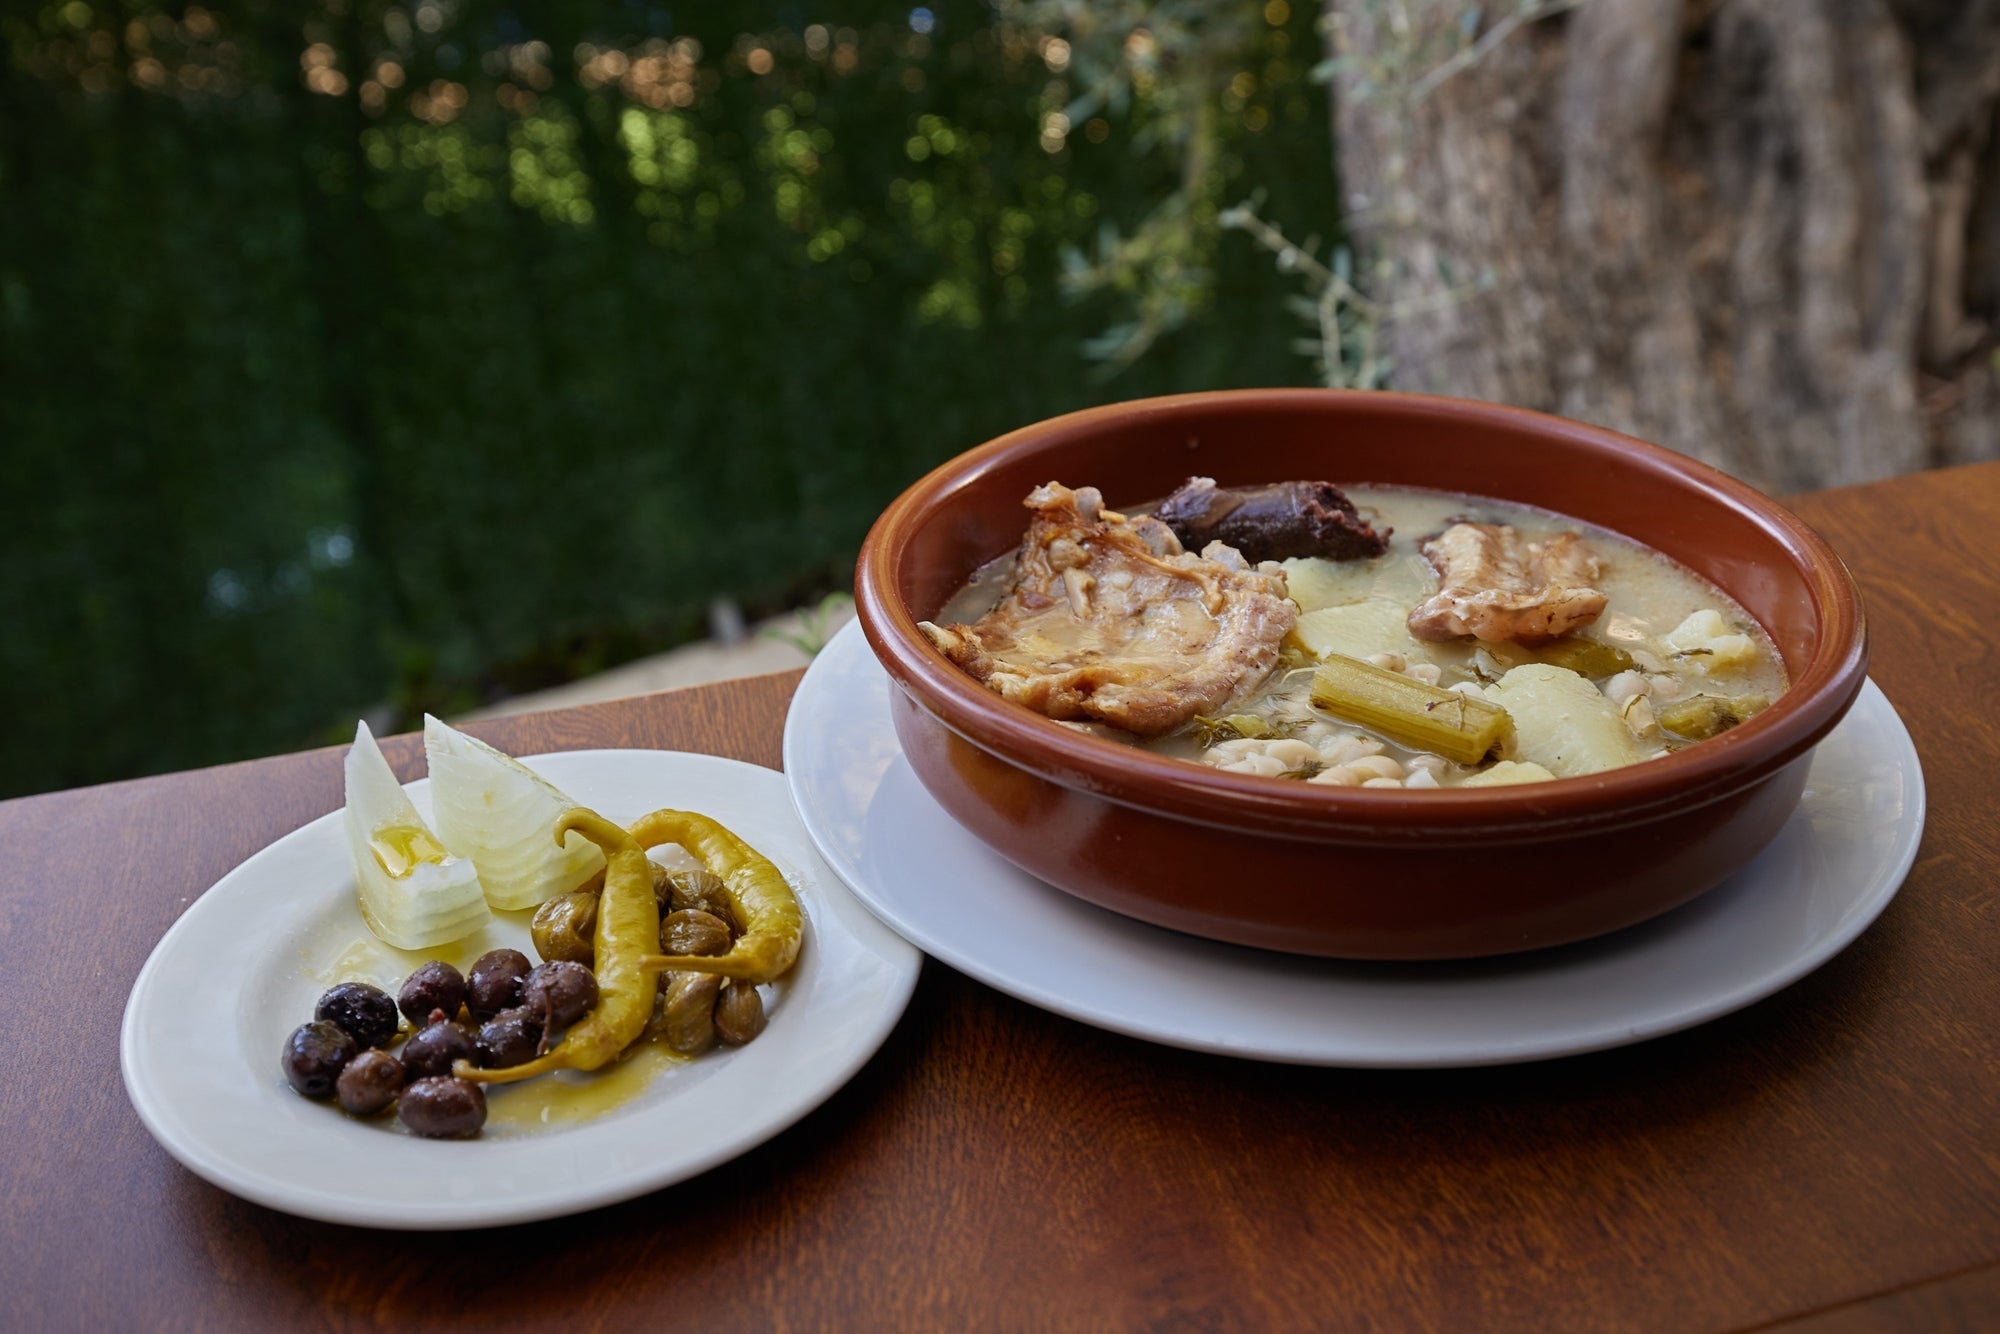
[318, 401]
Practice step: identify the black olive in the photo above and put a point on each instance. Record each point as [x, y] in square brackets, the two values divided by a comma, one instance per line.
[315, 1054]
[443, 1108]
[495, 982]
[430, 1053]
[369, 1083]
[560, 993]
[511, 1037]
[365, 1012]
[435, 986]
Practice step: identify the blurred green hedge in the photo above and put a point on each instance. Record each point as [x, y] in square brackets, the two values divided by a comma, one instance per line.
[361, 358]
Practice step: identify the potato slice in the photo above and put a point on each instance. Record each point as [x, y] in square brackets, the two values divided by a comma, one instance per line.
[1710, 645]
[1403, 579]
[1358, 630]
[1507, 773]
[1562, 722]
[1314, 582]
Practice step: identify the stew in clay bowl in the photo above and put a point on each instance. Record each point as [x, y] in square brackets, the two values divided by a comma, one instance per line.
[1358, 675]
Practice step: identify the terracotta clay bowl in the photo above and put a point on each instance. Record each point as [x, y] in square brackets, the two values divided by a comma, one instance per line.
[1349, 872]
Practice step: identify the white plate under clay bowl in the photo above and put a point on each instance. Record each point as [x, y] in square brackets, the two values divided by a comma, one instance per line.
[244, 965]
[1830, 871]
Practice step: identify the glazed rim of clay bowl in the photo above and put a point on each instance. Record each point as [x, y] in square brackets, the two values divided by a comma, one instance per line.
[1796, 587]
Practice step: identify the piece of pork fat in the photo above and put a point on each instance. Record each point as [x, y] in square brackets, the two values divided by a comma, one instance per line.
[1110, 619]
[1495, 587]
[1274, 522]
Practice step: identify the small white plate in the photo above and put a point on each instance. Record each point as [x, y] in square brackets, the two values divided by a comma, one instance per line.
[1831, 870]
[244, 965]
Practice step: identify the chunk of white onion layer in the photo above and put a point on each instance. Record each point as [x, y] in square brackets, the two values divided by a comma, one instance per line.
[413, 893]
[502, 815]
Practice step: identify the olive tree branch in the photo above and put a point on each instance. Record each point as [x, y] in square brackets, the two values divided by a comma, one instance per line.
[1466, 57]
[1342, 312]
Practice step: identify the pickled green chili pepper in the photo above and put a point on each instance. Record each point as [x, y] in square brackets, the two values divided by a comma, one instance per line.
[628, 930]
[765, 907]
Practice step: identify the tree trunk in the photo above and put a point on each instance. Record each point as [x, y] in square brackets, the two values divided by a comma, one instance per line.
[1763, 232]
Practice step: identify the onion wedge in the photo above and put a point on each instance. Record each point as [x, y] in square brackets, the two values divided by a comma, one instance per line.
[413, 894]
[501, 815]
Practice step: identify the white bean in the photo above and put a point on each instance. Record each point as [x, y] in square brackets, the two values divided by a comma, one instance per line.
[1377, 766]
[1292, 754]
[1627, 686]
[1225, 753]
[1638, 715]
[1270, 756]
[1384, 782]
[1350, 747]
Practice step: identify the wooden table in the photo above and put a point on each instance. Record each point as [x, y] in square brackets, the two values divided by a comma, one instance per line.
[1828, 1159]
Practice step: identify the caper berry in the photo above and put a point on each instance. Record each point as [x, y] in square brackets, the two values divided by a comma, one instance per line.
[564, 929]
[701, 890]
[693, 931]
[688, 1014]
[739, 1013]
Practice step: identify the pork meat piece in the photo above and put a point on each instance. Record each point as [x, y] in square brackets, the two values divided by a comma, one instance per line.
[1495, 587]
[1275, 522]
[1110, 619]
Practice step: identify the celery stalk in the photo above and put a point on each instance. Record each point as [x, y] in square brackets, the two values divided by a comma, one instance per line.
[1444, 722]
